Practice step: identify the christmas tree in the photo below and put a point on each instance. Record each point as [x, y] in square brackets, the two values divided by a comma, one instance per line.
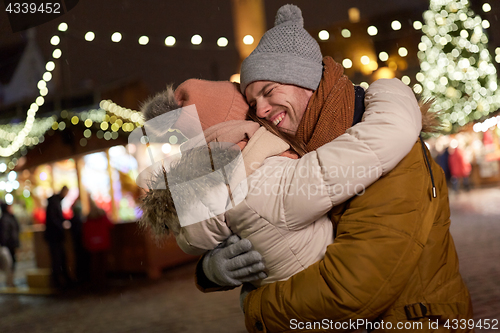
[456, 66]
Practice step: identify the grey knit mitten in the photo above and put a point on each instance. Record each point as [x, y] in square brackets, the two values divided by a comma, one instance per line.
[233, 262]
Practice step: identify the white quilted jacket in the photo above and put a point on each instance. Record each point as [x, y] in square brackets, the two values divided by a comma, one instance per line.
[284, 214]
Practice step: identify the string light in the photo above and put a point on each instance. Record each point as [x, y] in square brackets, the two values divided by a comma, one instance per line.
[50, 66]
[396, 25]
[55, 40]
[417, 88]
[347, 63]
[248, 40]
[372, 30]
[143, 40]
[346, 33]
[196, 40]
[62, 27]
[365, 60]
[47, 76]
[57, 54]
[324, 35]
[89, 36]
[41, 84]
[170, 41]
[383, 56]
[116, 37]
[222, 42]
[128, 114]
[166, 148]
[235, 78]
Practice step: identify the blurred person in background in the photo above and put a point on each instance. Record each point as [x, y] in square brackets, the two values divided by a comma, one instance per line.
[442, 158]
[97, 240]
[6, 266]
[82, 256]
[54, 235]
[460, 168]
[9, 240]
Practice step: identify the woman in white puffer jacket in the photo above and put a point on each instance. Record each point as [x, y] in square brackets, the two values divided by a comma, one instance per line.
[284, 213]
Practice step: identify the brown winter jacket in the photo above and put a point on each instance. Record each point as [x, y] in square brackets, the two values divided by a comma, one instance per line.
[393, 260]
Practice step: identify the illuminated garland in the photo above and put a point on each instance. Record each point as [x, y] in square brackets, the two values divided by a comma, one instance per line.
[17, 142]
[128, 114]
[31, 131]
[487, 124]
[456, 67]
[8, 133]
[27, 134]
[110, 122]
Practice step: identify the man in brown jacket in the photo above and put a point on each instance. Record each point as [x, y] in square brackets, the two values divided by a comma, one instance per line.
[393, 264]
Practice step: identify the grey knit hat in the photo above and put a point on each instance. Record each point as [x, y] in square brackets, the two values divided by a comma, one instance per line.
[286, 53]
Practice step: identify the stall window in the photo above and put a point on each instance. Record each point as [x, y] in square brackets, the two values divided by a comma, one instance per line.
[125, 190]
[95, 179]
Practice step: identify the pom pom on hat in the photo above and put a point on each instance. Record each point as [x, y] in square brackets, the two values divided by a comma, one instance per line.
[289, 13]
[286, 53]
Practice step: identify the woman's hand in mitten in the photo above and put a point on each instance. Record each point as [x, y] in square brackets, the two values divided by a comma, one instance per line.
[233, 262]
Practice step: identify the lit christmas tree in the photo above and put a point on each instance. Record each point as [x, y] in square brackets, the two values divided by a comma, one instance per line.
[456, 66]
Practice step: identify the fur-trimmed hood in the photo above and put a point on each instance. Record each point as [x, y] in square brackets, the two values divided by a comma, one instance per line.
[186, 183]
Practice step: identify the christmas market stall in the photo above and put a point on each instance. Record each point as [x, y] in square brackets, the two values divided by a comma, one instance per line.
[88, 151]
[480, 146]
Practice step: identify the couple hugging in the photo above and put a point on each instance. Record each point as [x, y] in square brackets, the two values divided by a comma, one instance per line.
[372, 245]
